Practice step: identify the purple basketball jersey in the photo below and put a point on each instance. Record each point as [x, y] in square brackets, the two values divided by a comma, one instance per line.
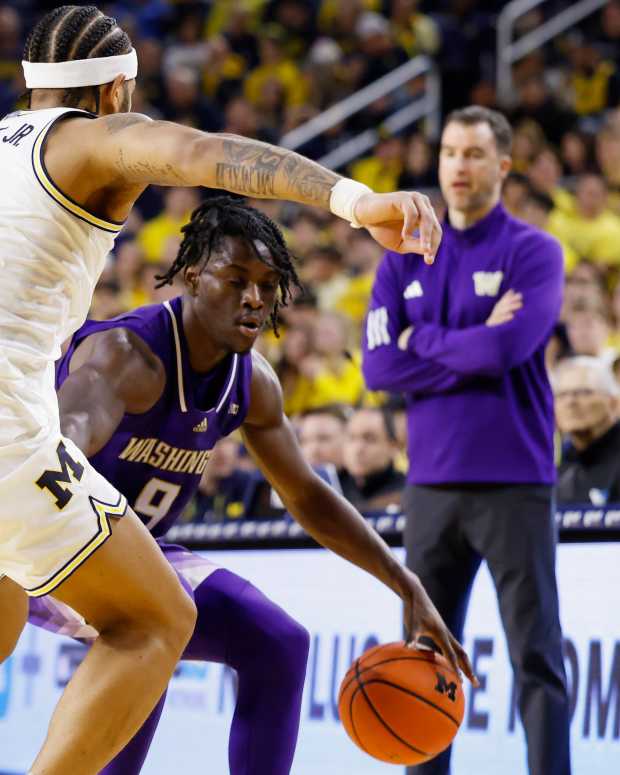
[156, 459]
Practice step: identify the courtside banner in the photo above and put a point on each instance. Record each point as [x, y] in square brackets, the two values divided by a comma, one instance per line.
[346, 611]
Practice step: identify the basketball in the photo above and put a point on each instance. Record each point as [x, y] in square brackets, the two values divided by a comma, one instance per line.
[401, 705]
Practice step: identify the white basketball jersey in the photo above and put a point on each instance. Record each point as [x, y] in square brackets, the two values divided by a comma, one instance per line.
[51, 255]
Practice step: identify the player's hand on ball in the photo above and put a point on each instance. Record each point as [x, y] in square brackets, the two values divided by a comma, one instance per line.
[403, 221]
[422, 618]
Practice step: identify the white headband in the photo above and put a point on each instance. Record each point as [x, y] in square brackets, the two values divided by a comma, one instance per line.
[80, 72]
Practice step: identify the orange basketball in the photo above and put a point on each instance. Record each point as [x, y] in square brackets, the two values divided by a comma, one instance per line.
[401, 705]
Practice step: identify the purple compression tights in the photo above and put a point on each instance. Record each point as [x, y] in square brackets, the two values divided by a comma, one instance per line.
[238, 626]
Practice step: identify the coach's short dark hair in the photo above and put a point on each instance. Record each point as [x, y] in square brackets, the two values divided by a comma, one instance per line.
[474, 114]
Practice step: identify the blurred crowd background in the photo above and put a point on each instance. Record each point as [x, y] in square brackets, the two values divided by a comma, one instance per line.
[260, 68]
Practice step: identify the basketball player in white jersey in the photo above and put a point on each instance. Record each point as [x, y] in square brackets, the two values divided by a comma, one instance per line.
[72, 167]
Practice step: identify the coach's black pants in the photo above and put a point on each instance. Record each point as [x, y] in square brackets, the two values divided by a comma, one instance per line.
[449, 531]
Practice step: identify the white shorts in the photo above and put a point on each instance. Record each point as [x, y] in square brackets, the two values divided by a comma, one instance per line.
[54, 513]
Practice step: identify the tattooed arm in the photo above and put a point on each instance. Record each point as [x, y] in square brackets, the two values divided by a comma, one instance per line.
[118, 155]
[128, 149]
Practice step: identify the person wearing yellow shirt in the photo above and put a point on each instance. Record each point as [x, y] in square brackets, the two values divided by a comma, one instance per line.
[545, 174]
[335, 372]
[223, 12]
[382, 170]
[274, 66]
[361, 257]
[154, 235]
[608, 157]
[537, 210]
[416, 32]
[592, 230]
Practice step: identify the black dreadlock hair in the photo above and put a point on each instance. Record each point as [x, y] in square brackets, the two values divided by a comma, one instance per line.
[228, 216]
[75, 32]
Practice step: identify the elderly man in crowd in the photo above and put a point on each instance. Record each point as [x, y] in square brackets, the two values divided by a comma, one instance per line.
[586, 408]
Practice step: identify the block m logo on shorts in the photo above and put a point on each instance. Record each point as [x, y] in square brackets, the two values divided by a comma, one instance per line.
[53, 480]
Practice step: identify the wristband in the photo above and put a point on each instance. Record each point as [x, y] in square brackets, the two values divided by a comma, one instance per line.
[344, 197]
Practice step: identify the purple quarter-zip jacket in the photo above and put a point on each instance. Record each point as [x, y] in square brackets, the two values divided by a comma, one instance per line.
[479, 403]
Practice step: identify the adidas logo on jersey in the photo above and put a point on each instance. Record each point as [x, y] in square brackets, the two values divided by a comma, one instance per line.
[413, 290]
[202, 426]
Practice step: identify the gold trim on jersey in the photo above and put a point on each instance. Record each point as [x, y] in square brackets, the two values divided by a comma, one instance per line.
[63, 200]
[103, 511]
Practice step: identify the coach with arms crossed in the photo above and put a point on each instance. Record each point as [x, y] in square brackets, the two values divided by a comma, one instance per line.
[465, 340]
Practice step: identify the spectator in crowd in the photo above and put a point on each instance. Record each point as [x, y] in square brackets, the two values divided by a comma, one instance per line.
[326, 73]
[322, 270]
[178, 206]
[297, 345]
[361, 258]
[536, 103]
[321, 435]
[381, 170]
[419, 168]
[585, 284]
[586, 409]
[378, 49]
[338, 19]
[515, 193]
[608, 35]
[333, 370]
[592, 81]
[151, 84]
[185, 103]
[299, 19]
[306, 232]
[608, 157]
[576, 154]
[592, 230]
[416, 32]
[274, 71]
[537, 210]
[223, 487]
[241, 118]
[465, 339]
[528, 141]
[614, 339]
[371, 481]
[588, 326]
[129, 272]
[545, 174]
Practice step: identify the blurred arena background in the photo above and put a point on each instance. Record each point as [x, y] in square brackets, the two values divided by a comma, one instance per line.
[362, 86]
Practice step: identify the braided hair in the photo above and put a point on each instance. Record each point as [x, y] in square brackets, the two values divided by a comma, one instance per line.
[75, 32]
[223, 216]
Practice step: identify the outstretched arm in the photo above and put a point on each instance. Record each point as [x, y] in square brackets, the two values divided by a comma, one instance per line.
[112, 372]
[122, 153]
[328, 517]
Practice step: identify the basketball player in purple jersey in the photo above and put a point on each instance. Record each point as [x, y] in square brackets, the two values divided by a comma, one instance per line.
[74, 163]
[146, 396]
